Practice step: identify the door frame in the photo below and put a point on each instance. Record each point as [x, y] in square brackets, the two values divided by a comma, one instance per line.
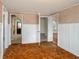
[38, 28]
[21, 20]
[10, 28]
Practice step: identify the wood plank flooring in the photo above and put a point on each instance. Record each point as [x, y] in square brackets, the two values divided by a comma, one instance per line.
[35, 51]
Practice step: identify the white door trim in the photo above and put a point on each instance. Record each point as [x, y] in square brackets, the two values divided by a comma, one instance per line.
[38, 26]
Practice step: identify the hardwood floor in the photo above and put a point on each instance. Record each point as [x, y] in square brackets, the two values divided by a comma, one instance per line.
[35, 51]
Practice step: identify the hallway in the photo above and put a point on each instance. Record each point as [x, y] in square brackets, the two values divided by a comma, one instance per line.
[34, 51]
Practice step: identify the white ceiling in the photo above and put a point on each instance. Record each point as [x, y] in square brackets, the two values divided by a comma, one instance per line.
[45, 7]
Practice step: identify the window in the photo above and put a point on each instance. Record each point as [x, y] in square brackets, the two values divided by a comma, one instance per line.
[18, 27]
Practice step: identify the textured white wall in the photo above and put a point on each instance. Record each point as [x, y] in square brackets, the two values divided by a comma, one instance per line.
[29, 33]
[69, 37]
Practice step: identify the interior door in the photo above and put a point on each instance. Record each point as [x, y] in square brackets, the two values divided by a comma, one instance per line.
[50, 29]
[5, 31]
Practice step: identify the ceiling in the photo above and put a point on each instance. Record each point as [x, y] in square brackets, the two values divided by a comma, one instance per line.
[44, 7]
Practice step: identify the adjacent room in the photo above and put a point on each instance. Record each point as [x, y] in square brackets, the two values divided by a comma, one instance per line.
[43, 29]
[39, 29]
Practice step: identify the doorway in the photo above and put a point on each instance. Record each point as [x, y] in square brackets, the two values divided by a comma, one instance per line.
[16, 30]
[43, 29]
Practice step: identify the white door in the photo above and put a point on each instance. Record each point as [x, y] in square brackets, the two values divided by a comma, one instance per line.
[2, 33]
[50, 28]
[5, 29]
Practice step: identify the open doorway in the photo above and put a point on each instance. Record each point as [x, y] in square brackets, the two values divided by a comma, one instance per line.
[43, 29]
[16, 30]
